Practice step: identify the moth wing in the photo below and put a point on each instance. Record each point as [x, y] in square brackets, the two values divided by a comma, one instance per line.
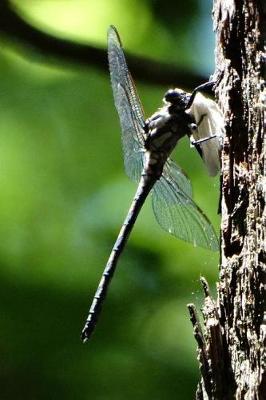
[209, 122]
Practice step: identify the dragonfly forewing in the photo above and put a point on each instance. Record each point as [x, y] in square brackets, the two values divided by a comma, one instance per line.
[128, 107]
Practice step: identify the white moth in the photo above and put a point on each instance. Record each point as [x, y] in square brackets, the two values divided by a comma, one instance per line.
[209, 122]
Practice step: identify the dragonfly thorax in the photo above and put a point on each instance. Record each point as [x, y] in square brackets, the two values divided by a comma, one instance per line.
[165, 127]
[163, 130]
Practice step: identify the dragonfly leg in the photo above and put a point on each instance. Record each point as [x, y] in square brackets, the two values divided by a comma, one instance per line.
[205, 87]
[194, 126]
[197, 142]
[201, 119]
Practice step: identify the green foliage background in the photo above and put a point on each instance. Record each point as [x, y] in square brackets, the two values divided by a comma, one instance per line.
[64, 195]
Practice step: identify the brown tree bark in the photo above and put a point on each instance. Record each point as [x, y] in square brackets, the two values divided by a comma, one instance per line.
[231, 350]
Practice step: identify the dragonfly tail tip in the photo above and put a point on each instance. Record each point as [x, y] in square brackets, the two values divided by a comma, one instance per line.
[84, 336]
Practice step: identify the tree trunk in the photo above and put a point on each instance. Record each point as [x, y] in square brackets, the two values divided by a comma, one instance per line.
[231, 350]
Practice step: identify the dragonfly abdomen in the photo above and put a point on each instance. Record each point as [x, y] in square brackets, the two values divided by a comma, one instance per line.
[145, 185]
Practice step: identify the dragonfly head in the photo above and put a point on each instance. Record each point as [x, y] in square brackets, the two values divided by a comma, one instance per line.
[177, 97]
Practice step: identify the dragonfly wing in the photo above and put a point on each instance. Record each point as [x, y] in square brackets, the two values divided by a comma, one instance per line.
[128, 107]
[175, 174]
[177, 213]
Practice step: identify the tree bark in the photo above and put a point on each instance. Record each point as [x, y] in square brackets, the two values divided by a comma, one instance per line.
[231, 351]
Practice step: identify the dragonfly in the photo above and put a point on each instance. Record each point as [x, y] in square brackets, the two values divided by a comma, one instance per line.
[147, 145]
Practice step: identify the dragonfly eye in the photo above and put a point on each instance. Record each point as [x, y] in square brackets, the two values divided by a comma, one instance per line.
[177, 98]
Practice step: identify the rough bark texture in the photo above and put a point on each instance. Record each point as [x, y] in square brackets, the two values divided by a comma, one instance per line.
[231, 350]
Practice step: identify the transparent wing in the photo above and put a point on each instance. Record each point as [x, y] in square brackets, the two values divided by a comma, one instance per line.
[128, 107]
[174, 173]
[177, 213]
